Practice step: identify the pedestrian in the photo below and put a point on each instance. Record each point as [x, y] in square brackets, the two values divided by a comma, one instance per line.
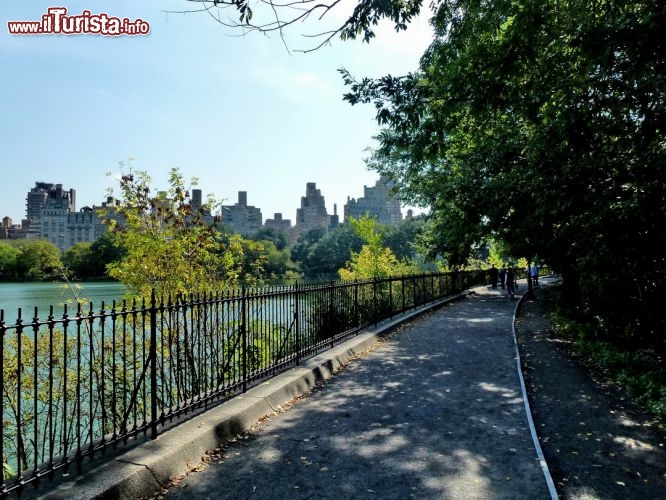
[502, 276]
[510, 282]
[493, 273]
[534, 272]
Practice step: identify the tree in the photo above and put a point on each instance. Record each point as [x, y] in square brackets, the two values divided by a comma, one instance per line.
[305, 242]
[77, 259]
[172, 246]
[322, 257]
[278, 238]
[8, 256]
[538, 124]
[274, 16]
[373, 260]
[403, 238]
[241, 261]
[38, 260]
[103, 251]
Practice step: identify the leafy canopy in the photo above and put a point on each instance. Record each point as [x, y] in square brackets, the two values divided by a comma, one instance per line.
[173, 246]
[374, 260]
[539, 124]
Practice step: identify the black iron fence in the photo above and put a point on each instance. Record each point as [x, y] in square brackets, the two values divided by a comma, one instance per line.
[76, 384]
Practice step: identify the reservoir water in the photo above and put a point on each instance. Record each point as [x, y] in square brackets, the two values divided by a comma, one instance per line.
[28, 295]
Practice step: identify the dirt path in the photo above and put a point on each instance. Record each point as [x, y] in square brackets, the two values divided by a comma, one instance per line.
[597, 444]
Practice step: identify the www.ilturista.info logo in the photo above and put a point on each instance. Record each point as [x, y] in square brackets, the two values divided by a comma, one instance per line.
[57, 22]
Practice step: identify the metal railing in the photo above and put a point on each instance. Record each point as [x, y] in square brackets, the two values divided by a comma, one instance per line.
[74, 385]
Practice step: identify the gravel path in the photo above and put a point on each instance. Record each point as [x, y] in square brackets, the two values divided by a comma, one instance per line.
[433, 412]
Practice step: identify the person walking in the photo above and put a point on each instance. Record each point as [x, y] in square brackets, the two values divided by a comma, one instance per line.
[534, 273]
[493, 274]
[502, 277]
[511, 282]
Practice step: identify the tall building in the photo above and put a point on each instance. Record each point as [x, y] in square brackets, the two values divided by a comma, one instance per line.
[44, 193]
[313, 210]
[9, 230]
[197, 202]
[240, 217]
[334, 220]
[278, 223]
[65, 228]
[377, 201]
[51, 215]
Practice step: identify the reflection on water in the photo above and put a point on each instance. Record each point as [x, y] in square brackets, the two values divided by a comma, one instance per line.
[27, 296]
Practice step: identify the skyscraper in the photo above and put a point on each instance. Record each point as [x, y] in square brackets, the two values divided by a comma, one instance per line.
[240, 217]
[376, 201]
[313, 210]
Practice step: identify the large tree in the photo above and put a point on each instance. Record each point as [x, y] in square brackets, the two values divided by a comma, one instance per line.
[540, 123]
[38, 261]
[8, 256]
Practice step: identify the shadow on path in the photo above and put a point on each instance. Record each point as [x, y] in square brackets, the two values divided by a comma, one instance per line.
[434, 411]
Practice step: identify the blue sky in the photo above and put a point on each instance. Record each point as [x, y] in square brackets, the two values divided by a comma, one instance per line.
[239, 113]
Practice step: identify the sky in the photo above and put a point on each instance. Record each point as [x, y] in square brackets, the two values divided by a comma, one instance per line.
[240, 113]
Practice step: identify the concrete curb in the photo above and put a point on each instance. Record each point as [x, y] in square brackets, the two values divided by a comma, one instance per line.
[552, 490]
[142, 470]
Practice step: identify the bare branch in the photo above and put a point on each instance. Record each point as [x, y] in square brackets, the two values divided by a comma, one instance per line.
[280, 15]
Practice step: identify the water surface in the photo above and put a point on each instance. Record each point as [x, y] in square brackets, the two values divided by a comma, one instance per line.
[27, 296]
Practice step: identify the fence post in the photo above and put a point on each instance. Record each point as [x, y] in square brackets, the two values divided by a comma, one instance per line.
[391, 296]
[357, 318]
[153, 365]
[2, 383]
[424, 287]
[243, 327]
[296, 325]
[374, 301]
[331, 310]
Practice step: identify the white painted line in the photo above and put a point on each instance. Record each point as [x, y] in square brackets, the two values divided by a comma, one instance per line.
[528, 411]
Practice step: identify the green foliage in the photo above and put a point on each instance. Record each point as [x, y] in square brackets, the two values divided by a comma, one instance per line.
[104, 251]
[172, 247]
[320, 255]
[278, 258]
[305, 242]
[241, 261]
[278, 238]
[168, 246]
[77, 259]
[38, 261]
[537, 124]
[278, 262]
[373, 260]
[361, 22]
[20, 420]
[403, 238]
[8, 257]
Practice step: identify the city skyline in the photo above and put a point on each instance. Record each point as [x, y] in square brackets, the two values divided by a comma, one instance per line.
[227, 202]
[239, 113]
